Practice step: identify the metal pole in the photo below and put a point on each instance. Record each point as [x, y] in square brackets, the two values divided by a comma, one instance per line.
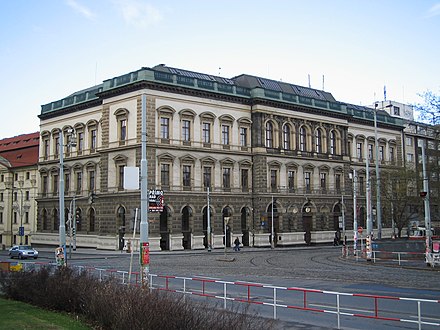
[426, 203]
[74, 222]
[62, 228]
[208, 229]
[355, 224]
[272, 244]
[21, 213]
[368, 197]
[343, 217]
[143, 241]
[378, 203]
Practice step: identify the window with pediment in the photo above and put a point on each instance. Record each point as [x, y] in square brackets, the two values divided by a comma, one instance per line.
[122, 125]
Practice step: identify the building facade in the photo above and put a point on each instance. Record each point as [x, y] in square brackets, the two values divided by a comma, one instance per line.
[18, 188]
[267, 154]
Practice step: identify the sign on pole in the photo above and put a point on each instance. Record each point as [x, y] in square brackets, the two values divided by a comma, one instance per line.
[155, 200]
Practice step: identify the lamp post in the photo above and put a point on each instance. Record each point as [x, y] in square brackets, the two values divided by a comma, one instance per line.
[208, 225]
[378, 202]
[355, 224]
[272, 243]
[62, 230]
[143, 239]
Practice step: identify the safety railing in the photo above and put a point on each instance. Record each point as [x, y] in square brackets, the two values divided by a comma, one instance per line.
[280, 299]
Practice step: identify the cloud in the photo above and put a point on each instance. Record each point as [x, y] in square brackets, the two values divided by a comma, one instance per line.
[434, 10]
[139, 13]
[83, 10]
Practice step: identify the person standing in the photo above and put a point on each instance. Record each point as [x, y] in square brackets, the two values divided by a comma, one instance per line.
[237, 244]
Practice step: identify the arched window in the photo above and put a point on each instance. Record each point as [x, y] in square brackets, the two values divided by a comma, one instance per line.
[286, 137]
[332, 143]
[318, 139]
[302, 139]
[269, 135]
[44, 219]
[56, 219]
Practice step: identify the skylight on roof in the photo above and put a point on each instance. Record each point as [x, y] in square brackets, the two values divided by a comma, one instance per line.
[269, 84]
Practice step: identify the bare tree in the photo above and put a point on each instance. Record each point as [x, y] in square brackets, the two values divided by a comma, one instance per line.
[399, 189]
[429, 110]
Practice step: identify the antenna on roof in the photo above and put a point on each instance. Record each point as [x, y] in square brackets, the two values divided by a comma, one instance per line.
[384, 92]
[309, 81]
[322, 82]
[96, 71]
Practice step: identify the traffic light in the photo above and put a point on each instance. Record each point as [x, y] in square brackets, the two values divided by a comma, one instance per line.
[78, 216]
[92, 198]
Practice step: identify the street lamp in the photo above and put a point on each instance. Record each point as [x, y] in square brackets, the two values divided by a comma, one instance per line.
[62, 230]
[378, 202]
[355, 224]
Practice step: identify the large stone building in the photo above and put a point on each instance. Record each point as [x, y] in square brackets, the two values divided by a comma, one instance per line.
[18, 188]
[265, 149]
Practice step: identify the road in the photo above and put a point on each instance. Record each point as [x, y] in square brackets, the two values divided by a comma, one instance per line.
[320, 268]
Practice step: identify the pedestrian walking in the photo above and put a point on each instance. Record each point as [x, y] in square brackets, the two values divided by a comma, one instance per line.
[237, 244]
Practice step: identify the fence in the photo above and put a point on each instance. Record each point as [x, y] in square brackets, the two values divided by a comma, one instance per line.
[280, 299]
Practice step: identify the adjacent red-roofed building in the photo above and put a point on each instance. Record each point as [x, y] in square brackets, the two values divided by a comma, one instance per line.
[18, 188]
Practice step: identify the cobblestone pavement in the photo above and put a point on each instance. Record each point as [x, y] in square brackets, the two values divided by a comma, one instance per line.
[322, 266]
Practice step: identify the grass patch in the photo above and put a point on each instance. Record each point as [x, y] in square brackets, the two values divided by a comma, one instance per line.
[20, 316]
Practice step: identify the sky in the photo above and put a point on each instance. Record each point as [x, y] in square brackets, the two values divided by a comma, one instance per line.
[50, 49]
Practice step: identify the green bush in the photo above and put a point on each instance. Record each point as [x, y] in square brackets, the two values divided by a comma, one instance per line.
[110, 305]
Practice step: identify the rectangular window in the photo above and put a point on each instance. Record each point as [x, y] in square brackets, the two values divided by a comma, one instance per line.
[273, 180]
[1, 197]
[46, 148]
[164, 128]
[16, 176]
[56, 147]
[80, 144]
[397, 111]
[121, 177]
[206, 133]
[28, 175]
[338, 183]
[15, 196]
[370, 151]
[359, 153]
[361, 186]
[291, 181]
[44, 186]
[2, 178]
[409, 157]
[409, 141]
[207, 172]
[381, 153]
[26, 217]
[67, 183]
[225, 134]
[308, 181]
[123, 129]
[78, 182]
[91, 181]
[226, 178]
[186, 130]
[392, 154]
[15, 217]
[243, 136]
[186, 176]
[1, 217]
[55, 184]
[323, 181]
[165, 175]
[244, 180]
[93, 140]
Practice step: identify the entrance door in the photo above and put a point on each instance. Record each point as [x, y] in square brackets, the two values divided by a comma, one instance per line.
[164, 233]
[244, 228]
[186, 243]
[307, 226]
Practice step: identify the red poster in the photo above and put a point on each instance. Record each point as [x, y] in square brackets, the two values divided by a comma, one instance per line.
[145, 250]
